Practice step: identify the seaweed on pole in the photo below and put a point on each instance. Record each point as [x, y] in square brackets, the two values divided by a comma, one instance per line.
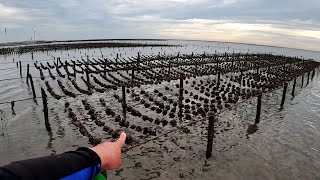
[65, 91]
[96, 80]
[56, 65]
[52, 93]
[36, 66]
[108, 80]
[50, 66]
[59, 73]
[80, 89]
[41, 75]
[43, 67]
[89, 85]
[51, 75]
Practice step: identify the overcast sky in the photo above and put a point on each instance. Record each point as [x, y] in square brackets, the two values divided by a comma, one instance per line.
[289, 23]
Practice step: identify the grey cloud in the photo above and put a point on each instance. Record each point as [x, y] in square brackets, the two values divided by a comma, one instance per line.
[82, 19]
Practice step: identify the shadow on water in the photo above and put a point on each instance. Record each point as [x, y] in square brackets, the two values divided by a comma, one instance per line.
[252, 128]
[49, 145]
[12, 108]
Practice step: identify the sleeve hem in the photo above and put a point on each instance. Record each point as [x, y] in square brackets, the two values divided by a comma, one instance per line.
[95, 156]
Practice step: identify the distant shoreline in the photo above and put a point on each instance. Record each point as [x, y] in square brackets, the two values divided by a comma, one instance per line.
[130, 39]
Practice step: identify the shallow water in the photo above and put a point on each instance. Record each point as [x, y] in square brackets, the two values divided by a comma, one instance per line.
[285, 145]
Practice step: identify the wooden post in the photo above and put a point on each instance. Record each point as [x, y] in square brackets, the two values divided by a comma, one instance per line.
[210, 135]
[258, 109]
[170, 66]
[74, 71]
[132, 74]
[67, 70]
[302, 78]
[308, 77]
[294, 86]
[284, 94]
[12, 105]
[196, 64]
[32, 87]
[45, 110]
[20, 69]
[313, 74]
[124, 103]
[17, 64]
[117, 58]
[181, 85]
[27, 74]
[105, 68]
[138, 62]
[88, 79]
[218, 83]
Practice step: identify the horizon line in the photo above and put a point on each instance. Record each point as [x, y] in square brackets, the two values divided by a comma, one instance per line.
[154, 39]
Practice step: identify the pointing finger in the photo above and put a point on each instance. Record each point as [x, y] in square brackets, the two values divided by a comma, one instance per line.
[122, 139]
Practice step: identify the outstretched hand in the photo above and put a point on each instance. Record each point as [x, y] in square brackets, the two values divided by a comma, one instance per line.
[110, 153]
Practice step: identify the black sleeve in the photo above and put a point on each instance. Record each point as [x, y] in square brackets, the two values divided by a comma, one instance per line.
[50, 167]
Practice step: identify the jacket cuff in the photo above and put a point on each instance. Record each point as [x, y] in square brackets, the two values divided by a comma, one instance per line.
[95, 158]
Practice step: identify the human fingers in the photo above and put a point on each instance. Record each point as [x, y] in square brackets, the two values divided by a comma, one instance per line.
[121, 139]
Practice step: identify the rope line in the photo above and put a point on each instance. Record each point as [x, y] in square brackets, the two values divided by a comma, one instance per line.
[163, 134]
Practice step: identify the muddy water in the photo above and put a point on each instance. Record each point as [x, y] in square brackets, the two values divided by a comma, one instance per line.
[285, 145]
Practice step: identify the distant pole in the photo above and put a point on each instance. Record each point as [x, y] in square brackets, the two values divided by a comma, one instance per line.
[45, 110]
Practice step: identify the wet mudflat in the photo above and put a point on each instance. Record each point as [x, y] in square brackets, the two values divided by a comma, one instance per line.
[283, 145]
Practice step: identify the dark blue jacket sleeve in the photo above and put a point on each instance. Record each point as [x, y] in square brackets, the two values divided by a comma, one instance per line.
[80, 164]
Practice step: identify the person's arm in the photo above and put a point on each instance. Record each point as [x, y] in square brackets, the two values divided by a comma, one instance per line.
[83, 163]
